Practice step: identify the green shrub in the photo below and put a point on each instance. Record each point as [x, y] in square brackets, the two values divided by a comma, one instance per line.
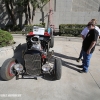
[70, 32]
[65, 26]
[71, 29]
[12, 27]
[17, 32]
[98, 26]
[5, 38]
[42, 24]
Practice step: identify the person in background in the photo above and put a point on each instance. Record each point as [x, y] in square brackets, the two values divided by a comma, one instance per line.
[83, 35]
[88, 46]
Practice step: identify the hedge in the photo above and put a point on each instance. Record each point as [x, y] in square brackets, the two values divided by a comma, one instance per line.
[5, 38]
[72, 26]
[70, 32]
[71, 29]
[18, 32]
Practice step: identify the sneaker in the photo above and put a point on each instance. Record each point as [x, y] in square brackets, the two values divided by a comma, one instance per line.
[80, 66]
[82, 71]
[78, 60]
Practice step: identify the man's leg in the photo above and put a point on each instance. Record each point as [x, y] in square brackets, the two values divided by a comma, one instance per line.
[86, 61]
[80, 56]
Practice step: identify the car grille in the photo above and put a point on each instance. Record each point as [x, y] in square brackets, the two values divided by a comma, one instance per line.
[33, 64]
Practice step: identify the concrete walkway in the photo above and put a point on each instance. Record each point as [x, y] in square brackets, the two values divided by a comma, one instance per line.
[72, 86]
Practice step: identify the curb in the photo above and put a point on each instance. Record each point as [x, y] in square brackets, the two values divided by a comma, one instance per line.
[7, 52]
[7, 49]
[4, 51]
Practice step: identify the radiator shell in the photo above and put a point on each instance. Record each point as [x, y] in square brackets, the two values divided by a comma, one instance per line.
[33, 62]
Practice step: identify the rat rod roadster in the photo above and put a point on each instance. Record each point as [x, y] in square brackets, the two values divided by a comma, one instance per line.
[36, 58]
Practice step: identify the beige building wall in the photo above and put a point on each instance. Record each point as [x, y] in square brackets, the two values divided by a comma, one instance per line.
[64, 12]
[72, 11]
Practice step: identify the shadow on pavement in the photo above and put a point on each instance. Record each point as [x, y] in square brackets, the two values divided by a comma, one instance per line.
[70, 65]
[64, 56]
[67, 64]
[49, 77]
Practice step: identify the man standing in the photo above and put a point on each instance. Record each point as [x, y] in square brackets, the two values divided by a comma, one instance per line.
[84, 33]
[88, 46]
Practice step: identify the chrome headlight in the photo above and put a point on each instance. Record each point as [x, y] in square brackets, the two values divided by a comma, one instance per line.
[46, 67]
[18, 67]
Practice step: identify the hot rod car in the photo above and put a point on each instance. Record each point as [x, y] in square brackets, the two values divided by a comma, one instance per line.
[36, 57]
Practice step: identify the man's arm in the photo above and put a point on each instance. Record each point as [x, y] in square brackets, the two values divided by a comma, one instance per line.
[98, 29]
[91, 46]
[84, 32]
[83, 37]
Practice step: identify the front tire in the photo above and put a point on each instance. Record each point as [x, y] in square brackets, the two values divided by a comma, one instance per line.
[7, 69]
[57, 69]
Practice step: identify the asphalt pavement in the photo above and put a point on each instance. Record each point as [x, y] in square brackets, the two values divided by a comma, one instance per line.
[72, 85]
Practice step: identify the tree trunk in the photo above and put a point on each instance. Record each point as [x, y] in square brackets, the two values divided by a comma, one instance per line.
[26, 11]
[33, 14]
[11, 13]
[26, 15]
[29, 12]
[42, 12]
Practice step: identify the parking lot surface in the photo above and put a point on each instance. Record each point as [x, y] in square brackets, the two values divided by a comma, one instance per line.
[72, 85]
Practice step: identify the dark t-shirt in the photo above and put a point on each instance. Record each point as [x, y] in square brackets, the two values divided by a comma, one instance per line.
[90, 37]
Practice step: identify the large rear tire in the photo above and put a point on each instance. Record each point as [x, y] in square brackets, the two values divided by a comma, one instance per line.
[57, 69]
[7, 69]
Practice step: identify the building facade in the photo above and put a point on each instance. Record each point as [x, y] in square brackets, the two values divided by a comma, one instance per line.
[74, 11]
[67, 12]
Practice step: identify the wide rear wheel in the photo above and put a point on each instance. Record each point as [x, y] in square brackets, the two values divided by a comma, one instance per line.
[7, 69]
